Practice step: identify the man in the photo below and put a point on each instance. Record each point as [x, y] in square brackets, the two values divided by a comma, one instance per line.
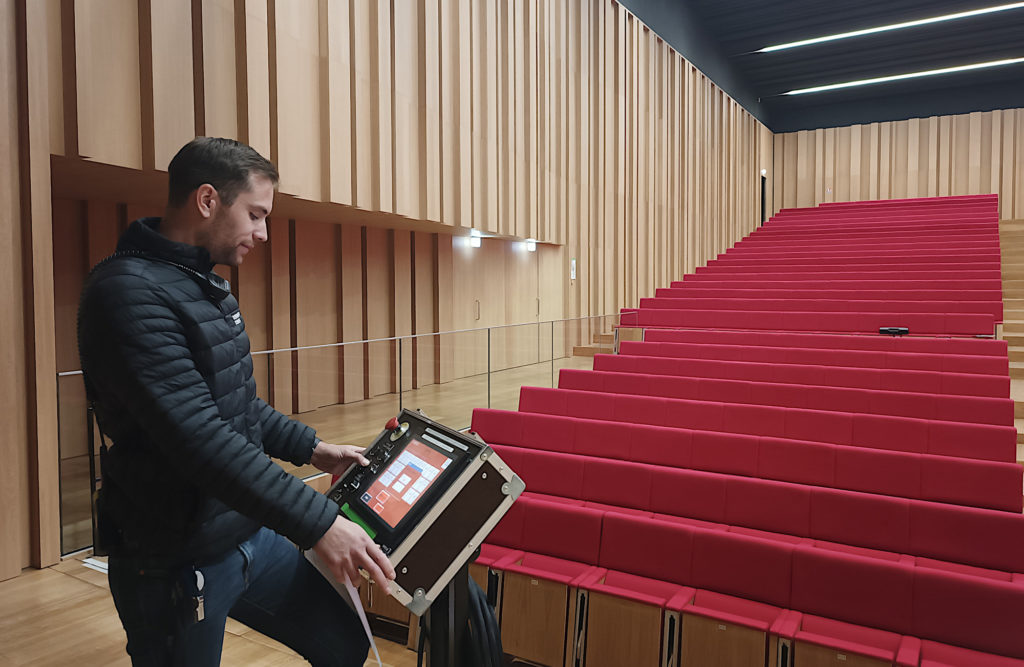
[192, 509]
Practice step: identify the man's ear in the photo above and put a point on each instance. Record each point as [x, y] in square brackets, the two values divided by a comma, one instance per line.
[206, 200]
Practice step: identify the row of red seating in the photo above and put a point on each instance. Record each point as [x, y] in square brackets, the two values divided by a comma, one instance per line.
[978, 217]
[958, 324]
[865, 269]
[699, 291]
[881, 527]
[921, 361]
[951, 201]
[817, 303]
[889, 275]
[853, 250]
[580, 546]
[985, 259]
[877, 283]
[969, 482]
[905, 434]
[936, 224]
[929, 382]
[784, 236]
[906, 344]
[969, 409]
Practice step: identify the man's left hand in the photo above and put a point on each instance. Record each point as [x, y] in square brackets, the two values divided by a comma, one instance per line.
[336, 459]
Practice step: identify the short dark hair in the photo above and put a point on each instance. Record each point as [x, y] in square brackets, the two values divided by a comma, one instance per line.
[225, 164]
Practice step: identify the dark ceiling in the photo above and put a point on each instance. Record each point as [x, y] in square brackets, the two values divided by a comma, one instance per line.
[733, 30]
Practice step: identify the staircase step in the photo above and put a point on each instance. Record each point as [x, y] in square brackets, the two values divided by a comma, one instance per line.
[609, 338]
[1017, 354]
[591, 350]
[1016, 372]
[1012, 326]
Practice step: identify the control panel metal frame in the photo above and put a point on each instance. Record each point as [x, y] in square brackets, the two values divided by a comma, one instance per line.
[429, 545]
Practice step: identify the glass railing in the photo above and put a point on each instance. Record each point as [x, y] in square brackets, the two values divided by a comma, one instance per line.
[347, 391]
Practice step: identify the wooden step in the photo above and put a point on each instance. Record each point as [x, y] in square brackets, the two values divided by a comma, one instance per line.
[1014, 340]
[1011, 326]
[609, 338]
[1016, 372]
[1017, 354]
[591, 350]
[1019, 424]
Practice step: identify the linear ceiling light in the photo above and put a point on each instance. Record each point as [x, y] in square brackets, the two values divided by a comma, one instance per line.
[894, 26]
[911, 75]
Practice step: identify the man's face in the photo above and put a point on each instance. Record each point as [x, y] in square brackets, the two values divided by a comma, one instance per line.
[234, 230]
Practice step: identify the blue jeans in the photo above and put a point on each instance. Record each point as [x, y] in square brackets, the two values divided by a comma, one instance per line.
[265, 583]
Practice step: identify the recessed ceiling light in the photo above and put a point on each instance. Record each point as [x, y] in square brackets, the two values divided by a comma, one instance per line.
[911, 75]
[894, 26]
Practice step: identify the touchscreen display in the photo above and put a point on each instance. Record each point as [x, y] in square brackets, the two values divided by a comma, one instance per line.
[404, 482]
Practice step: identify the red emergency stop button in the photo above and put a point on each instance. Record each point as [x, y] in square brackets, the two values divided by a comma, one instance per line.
[392, 424]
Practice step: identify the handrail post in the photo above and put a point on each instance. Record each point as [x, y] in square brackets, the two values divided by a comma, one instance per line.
[488, 367]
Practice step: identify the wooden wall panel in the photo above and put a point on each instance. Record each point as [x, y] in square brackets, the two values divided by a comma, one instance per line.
[55, 75]
[964, 154]
[279, 322]
[424, 279]
[14, 474]
[339, 100]
[379, 311]
[352, 312]
[298, 96]
[220, 82]
[107, 66]
[407, 108]
[315, 318]
[173, 102]
[401, 295]
[255, 115]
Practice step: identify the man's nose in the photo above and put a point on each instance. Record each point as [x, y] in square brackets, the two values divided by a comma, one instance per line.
[261, 232]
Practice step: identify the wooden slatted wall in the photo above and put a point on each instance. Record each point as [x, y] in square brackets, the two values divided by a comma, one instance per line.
[965, 154]
[406, 120]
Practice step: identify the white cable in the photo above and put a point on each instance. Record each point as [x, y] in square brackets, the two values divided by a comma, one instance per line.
[350, 594]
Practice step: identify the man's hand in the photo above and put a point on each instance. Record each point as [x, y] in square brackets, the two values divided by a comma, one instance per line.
[336, 459]
[346, 547]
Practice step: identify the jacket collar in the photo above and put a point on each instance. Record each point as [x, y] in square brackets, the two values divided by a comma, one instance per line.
[143, 236]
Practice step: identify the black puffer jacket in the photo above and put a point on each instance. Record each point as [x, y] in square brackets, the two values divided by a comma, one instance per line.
[167, 364]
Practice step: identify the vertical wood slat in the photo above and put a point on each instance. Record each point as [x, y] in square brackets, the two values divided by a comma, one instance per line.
[40, 339]
[14, 491]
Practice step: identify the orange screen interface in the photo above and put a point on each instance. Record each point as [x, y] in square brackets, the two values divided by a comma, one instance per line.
[405, 481]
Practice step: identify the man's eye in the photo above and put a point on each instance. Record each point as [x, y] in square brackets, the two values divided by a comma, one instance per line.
[252, 216]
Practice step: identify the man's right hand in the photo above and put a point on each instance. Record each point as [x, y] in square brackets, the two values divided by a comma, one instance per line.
[346, 547]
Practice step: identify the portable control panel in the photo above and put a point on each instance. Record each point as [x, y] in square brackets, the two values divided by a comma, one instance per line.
[428, 498]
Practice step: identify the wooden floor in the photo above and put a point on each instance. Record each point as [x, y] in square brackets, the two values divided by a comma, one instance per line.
[64, 615]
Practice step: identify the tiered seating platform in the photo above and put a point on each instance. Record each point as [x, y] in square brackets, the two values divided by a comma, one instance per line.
[763, 479]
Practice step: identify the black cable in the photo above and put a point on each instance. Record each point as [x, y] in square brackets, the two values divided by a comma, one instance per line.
[475, 636]
[422, 641]
[483, 650]
[483, 635]
[494, 632]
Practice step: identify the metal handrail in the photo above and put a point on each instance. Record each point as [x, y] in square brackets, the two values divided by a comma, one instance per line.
[392, 338]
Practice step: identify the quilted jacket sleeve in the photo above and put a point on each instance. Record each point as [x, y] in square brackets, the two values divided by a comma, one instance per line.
[147, 365]
[285, 438]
